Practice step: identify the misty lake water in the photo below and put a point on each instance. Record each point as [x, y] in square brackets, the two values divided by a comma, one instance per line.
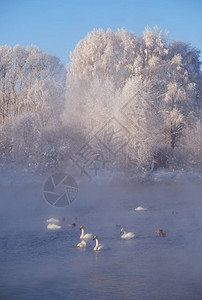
[36, 263]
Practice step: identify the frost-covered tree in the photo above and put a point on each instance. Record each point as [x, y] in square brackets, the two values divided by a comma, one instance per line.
[191, 143]
[168, 71]
[25, 134]
[20, 69]
[182, 95]
[143, 121]
[45, 100]
[104, 55]
[31, 99]
[6, 57]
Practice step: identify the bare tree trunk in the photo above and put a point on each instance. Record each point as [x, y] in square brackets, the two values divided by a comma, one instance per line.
[172, 137]
[3, 103]
[14, 100]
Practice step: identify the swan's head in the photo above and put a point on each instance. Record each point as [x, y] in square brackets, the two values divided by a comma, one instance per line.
[95, 237]
[81, 227]
[122, 230]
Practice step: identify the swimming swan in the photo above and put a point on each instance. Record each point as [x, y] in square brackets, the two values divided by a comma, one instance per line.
[52, 220]
[126, 235]
[86, 236]
[140, 208]
[83, 244]
[98, 246]
[52, 226]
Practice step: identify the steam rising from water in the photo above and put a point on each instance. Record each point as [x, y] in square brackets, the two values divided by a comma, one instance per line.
[38, 263]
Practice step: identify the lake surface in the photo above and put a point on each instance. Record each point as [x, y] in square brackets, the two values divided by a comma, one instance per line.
[36, 263]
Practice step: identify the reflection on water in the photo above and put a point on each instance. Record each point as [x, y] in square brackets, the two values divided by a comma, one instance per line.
[39, 264]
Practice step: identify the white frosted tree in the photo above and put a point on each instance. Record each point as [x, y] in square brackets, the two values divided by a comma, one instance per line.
[104, 55]
[167, 71]
[31, 98]
[18, 75]
[143, 121]
[191, 143]
[25, 134]
[182, 96]
[6, 57]
[20, 68]
[44, 100]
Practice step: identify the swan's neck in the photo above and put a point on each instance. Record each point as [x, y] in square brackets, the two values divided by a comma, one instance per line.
[96, 243]
[82, 232]
[124, 232]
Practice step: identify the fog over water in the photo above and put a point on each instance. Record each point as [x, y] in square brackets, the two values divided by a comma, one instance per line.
[40, 264]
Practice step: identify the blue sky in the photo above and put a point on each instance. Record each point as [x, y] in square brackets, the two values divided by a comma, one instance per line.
[56, 26]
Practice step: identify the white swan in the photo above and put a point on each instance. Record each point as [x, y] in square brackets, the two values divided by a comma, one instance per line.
[52, 220]
[140, 208]
[83, 244]
[126, 235]
[86, 236]
[52, 226]
[98, 246]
